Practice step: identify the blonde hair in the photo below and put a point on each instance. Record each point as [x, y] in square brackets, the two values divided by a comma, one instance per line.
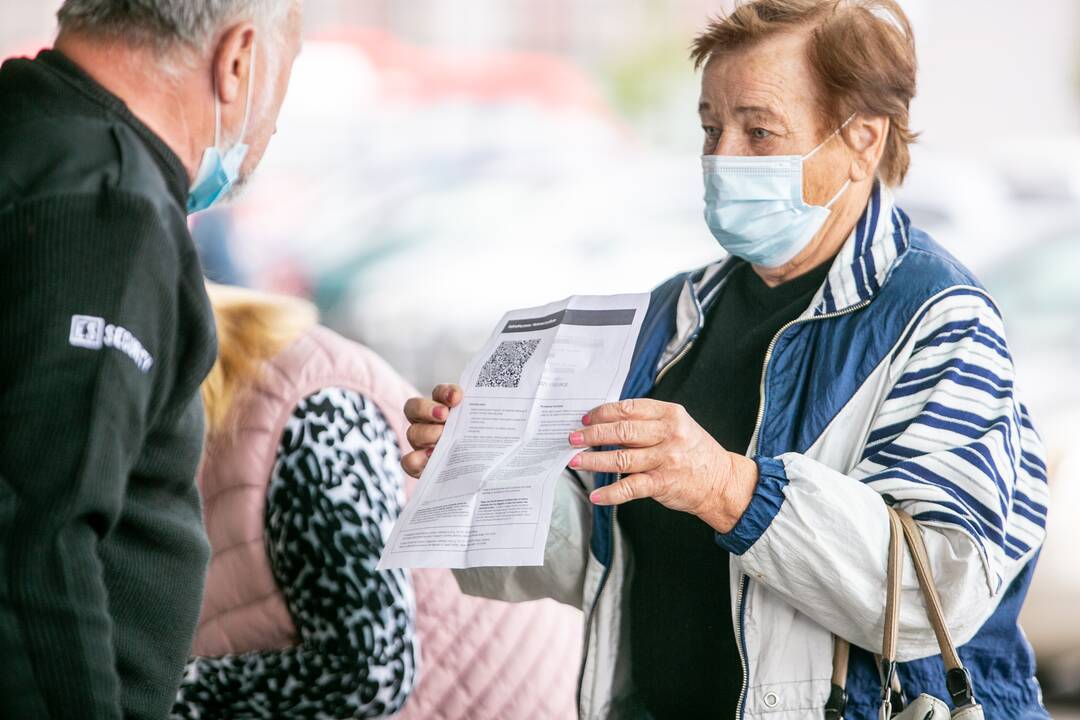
[252, 327]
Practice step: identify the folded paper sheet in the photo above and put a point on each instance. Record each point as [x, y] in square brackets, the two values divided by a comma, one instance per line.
[485, 497]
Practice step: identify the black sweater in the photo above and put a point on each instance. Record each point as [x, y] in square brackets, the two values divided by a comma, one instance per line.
[105, 336]
[684, 658]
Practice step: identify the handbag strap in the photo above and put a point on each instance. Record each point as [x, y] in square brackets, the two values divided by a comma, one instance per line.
[890, 685]
[934, 611]
[957, 678]
[894, 576]
[902, 527]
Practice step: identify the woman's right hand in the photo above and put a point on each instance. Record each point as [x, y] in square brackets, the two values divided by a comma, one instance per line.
[426, 418]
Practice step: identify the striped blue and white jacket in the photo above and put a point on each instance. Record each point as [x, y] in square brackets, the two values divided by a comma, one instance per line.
[895, 386]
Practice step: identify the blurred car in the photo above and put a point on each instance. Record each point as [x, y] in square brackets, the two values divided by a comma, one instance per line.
[417, 194]
[963, 204]
[1040, 299]
[987, 209]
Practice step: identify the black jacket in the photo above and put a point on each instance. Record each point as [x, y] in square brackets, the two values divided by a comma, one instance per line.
[105, 336]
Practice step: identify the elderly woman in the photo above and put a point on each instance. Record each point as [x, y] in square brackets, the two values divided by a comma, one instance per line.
[731, 516]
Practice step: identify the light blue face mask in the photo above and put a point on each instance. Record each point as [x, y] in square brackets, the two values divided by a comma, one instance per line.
[219, 172]
[754, 205]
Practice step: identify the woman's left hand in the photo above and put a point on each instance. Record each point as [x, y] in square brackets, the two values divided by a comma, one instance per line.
[667, 456]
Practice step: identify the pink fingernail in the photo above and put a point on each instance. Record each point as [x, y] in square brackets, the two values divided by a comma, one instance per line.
[439, 412]
[577, 438]
[585, 419]
[575, 461]
[429, 451]
[594, 496]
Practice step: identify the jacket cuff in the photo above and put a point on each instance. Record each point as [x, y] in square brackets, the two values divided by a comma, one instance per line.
[766, 502]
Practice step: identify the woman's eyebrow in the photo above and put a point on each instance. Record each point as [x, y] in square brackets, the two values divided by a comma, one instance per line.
[704, 106]
[757, 110]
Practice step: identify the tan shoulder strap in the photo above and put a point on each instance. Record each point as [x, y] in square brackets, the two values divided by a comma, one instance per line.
[894, 576]
[841, 652]
[837, 702]
[903, 526]
[926, 582]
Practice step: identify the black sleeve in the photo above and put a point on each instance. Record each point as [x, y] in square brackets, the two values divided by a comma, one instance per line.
[335, 492]
[87, 297]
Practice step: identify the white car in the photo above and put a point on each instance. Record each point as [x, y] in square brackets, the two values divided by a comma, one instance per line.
[1040, 298]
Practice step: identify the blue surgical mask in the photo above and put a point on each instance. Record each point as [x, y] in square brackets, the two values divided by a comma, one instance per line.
[220, 171]
[754, 205]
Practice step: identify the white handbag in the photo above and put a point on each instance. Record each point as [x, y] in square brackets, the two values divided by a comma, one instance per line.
[957, 679]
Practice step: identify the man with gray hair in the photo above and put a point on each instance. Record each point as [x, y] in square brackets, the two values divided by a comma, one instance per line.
[144, 111]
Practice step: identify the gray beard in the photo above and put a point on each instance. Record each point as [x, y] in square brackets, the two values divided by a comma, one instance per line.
[238, 188]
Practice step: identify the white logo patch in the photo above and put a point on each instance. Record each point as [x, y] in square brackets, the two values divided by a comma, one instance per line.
[87, 331]
[94, 333]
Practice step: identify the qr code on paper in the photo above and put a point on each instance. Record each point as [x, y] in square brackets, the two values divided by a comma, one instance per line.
[503, 368]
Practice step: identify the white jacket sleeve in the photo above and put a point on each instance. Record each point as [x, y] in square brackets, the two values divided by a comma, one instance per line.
[562, 576]
[952, 446]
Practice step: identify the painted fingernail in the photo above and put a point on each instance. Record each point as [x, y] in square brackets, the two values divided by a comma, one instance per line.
[585, 419]
[575, 461]
[577, 438]
[429, 451]
[594, 496]
[439, 412]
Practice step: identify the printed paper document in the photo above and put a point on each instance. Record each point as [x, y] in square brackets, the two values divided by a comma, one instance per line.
[485, 497]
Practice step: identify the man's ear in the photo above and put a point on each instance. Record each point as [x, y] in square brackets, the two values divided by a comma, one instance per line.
[232, 63]
[866, 136]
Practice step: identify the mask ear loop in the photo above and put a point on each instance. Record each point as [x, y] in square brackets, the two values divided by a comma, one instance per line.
[806, 157]
[217, 115]
[250, 88]
[839, 192]
[247, 104]
[836, 132]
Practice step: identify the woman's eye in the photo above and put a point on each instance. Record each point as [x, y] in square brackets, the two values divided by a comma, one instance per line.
[760, 133]
[711, 132]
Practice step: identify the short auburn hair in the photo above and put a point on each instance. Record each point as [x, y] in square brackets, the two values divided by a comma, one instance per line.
[862, 52]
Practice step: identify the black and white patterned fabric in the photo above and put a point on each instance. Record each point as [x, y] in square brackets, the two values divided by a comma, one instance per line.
[335, 492]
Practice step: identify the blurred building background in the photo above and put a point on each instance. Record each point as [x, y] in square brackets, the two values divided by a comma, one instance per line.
[441, 161]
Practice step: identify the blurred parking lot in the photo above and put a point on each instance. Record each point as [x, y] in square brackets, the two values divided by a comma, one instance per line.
[439, 162]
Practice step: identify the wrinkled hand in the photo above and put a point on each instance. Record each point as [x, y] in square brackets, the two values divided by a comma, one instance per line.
[664, 454]
[427, 418]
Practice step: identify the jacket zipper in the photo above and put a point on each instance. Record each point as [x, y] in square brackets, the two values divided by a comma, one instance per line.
[671, 363]
[743, 582]
[611, 538]
[592, 610]
[768, 357]
[743, 579]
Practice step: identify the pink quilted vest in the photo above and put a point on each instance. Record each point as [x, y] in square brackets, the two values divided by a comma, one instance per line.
[481, 659]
